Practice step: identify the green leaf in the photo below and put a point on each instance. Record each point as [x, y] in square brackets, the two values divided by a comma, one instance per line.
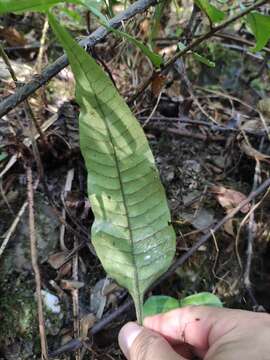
[159, 304]
[214, 14]
[74, 15]
[155, 22]
[96, 4]
[203, 298]
[29, 5]
[198, 57]
[3, 155]
[259, 24]
[203, 60]
[132, 233]
[95, 9]
[155, 59]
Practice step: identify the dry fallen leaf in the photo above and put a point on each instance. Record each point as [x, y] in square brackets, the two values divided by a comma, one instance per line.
[228, 227]
[71, 284]
[264, 107]
[144, 27]
[64, 270]
[253, 124]
[157, 84]
[229, 198]
[86, 323]
[57, 259]
[12, 36]
[253, 153]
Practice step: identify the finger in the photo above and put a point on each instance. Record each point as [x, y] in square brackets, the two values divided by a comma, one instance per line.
[138, 343]
[199, 326]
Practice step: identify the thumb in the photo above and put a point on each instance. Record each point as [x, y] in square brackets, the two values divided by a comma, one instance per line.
[139, 343]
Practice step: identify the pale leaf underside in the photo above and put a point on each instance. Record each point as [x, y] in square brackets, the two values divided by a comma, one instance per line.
[131, 233]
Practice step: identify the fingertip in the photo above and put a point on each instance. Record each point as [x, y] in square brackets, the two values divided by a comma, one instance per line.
[127, 335]
[148, 320]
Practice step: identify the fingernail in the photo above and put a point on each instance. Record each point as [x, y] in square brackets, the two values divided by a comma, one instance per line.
[127, 335]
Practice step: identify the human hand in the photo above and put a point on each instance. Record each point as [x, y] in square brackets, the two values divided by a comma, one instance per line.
[208, 332]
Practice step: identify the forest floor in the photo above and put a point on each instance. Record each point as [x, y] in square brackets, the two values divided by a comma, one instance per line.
[210, 147]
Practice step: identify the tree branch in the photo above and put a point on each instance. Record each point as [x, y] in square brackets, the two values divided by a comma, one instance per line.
[50, 71]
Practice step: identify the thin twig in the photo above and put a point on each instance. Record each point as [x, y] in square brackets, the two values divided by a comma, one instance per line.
[186, 133]
[34, 259]
[77, 343]
[13, 227]
[154, 109]
[75, 298]
[41, 52]
[252, 228]
[68, 185]
[212, 127]
[240, 40]
[247, 216]
[40, 94]
[180, 68]
[230, 37]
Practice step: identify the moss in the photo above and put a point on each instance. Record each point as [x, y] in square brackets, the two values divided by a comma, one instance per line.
[18, 306]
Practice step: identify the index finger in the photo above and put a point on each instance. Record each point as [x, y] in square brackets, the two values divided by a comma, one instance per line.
[199, 326]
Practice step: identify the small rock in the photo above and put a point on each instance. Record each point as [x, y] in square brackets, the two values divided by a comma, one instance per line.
[51, 302]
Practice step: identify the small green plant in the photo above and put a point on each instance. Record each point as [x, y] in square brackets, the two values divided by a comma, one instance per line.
[212, 12]
[161, 304]
[259, 25]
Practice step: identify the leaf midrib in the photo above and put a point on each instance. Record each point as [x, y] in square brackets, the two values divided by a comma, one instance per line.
[136, 278]
[137, 293]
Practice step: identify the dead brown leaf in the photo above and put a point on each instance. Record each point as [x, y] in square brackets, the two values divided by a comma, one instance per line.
[144, 27]
[64, 270]
[71, 284]
[228, 227]
[12, 36]
[264, 107]
[229, 198]
[253, 124]
[157, 84]
[253, 153]
[86, 323]
[56, 260]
